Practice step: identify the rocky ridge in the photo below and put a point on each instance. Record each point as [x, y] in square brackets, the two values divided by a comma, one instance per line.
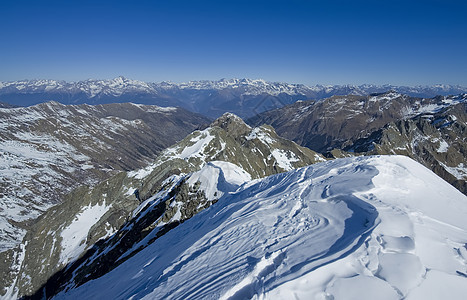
[95, 229]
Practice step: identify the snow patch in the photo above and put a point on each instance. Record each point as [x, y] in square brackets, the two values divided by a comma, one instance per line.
[219, 177]
[259, 133]
[200, 142]
[74, 235]
[284, 159]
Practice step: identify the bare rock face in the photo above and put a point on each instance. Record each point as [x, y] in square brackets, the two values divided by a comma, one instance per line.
[129, 210]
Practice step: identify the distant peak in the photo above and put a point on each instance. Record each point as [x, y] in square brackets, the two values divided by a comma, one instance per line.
[231, 123]
[228, 117]
[121, 78]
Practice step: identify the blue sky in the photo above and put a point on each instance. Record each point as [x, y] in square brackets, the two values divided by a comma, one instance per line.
[310, 42]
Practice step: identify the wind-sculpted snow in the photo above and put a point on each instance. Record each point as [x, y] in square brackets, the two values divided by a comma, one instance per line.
[357, 228]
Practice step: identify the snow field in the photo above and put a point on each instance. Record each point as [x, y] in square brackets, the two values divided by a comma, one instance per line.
[354, 228]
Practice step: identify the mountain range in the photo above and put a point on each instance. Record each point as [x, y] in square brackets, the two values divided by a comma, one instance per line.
[131, 201]
[244, 97]
[433, 131]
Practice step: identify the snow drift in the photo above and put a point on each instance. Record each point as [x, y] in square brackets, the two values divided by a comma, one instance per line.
[356, 228]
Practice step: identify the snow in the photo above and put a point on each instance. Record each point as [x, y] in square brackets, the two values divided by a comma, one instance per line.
[11, 292]
[284, 159]
[361, 287]
[155, 108]
[259, 133]
[438, 285]
[75, 234]
[219, 177]
[380, 227]
[386, 97]
[39, 164]
[29, 167]
[460, 171]
[130, 191]
[144, 172]
[427, 107]
[443, 146]
[200, 142]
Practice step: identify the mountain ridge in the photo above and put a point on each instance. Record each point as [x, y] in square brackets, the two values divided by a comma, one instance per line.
[365, 227]
[211, 98]
[50, 148]
[128, 210]
[430, 130]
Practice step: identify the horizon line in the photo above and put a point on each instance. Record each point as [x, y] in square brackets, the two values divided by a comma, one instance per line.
[236, 78]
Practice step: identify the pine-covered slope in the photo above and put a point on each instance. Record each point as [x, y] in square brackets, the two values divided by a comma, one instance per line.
[96, 229]
[356, 228]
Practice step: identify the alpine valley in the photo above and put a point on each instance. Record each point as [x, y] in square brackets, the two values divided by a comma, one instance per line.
[361, 193]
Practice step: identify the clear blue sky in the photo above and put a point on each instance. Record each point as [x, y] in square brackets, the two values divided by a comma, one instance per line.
[311, 42]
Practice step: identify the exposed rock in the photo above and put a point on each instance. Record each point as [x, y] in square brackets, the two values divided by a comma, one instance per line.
[329, 123]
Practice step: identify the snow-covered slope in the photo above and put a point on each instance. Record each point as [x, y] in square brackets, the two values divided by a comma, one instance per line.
[436, 136]
[355, 228]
